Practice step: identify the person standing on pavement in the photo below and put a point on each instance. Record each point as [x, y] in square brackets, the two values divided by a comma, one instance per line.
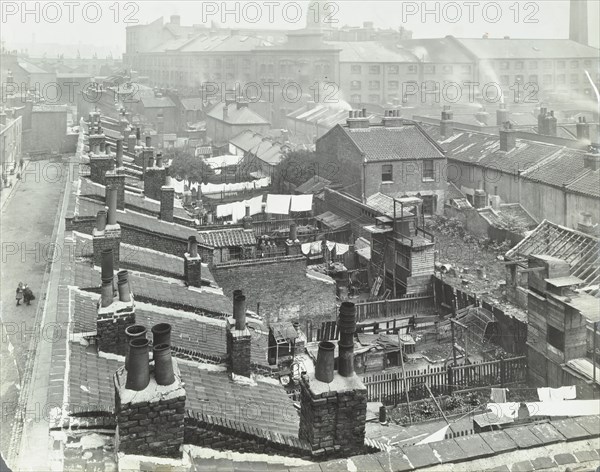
[27, 295]
[19, 295]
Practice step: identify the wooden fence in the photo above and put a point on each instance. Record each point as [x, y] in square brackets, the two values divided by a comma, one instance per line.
[397, 308]
[329, 331]
[390, 387]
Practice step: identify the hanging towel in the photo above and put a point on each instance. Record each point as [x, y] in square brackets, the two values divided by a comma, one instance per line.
[568, 393]
[255, 205]
[547, 394]
[498, 395]
[238, 211]
[302, 202]
[330, 245]
[224, 210]
[341, 249]
[278, 204]
[315, 247]
[306, 247]
[544, 394]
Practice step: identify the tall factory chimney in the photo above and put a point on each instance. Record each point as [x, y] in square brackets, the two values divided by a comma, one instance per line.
[578, 25]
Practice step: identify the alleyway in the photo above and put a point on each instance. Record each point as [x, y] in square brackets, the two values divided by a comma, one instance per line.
[29, 221]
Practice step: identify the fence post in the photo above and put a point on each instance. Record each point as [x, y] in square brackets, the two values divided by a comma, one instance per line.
[450, 379]
[502, 372]
[385, 308]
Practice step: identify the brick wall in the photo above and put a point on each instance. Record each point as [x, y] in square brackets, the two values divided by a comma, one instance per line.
[153, 181]
[282, 288]
[110, 327]
[150, 428]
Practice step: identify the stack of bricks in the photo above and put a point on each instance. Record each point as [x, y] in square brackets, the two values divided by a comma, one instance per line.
[167, 203]
[111, 322]
[333, 419]
[239, 349]
[150, 422]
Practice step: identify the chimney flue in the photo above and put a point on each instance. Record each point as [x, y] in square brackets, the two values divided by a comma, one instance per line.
[148, 141]
[293, 232]
[138, 374]
[119, 152]
[163, 364]
[112, 205]
[239, 311]
[123, 286]
[133, 332]
[347, 326]
[192, 246]
[106, 291]
[107, 264]
[161, 334]
[159, 160]
[325, 362]
[101, 220]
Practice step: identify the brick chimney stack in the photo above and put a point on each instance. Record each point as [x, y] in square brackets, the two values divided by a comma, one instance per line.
[482, 116]
[552, 124]
[150, 399]
[247, 220]
[591, 159]
[333, 405]
[392, 119]
[107, 233]
[447, 122]
[100, 160]
[583, 129]
[357, 119]
[508, 138]
[586, 224]
[192, 267]
[167, 203]
[501, 115]
[114, 315]
[116, 177]
[156, 177]
[543, 122]
[238, 337]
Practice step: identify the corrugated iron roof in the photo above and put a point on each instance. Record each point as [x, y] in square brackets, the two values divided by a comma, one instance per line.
[228, 237]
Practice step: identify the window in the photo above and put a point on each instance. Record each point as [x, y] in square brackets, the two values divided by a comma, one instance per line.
[374, 84]
[355, 85]
[574, 79]
[402, 259]
[504, 80]
[355, 98]
[547, 65]
[393, 69]
[574, 64]
[355, 69]
[412, 69]
[504, 65]
[533, 79]
[374, 98]
[533, 64]
[519, 65]
[547, 79]
[393, 85]
[429, 69]
[428, 170]
[447, 69]
[556, 338]
[466, 69]
[520, 78]
[428, 204]
[561, 64]
[374, 70]
[561, 79]
[587, 63]
[387, 173]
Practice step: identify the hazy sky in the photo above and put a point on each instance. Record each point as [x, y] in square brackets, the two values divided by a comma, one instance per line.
[102, 24]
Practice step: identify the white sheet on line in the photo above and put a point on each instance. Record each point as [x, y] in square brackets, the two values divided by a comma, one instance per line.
[278, 204]
[302, 202]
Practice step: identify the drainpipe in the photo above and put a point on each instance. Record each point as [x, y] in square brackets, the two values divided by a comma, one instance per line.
[565, 212]
[364, 179]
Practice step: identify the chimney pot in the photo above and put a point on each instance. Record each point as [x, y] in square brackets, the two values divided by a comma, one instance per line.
[112, 204]
[123, 286]
[293, 232]
[239, 311]
[159, 160]
[192, 246]
[148, 141]
[163, 364]
[106, 291]
[138, 374]
[347, 327]
[325, 362]
[132, 332]
[120, 152]
[101, 220]
[107, 264]
[161, 334]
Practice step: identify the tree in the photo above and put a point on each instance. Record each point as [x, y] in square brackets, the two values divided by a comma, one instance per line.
[297, 167]
[186, 166]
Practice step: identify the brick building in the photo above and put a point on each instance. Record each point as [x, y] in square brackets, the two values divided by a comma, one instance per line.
[396, 158]
[229, 118]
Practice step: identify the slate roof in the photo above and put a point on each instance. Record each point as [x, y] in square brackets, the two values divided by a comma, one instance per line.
[407, 142]
[264, 405]
[161, 291]
[438, 50]
[580, 250]
[332, 221]
[192, 103]
[313, 185]
[371, 51]
[384, 204]
[228, 237]
[526, 48]
[222, 43]
[235, 116]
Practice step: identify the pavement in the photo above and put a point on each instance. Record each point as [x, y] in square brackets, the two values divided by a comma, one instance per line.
[29, 229]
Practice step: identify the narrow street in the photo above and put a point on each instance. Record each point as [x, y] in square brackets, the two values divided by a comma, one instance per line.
[29, 223]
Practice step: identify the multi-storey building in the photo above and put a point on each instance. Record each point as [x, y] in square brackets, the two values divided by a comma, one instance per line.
[10, 139]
